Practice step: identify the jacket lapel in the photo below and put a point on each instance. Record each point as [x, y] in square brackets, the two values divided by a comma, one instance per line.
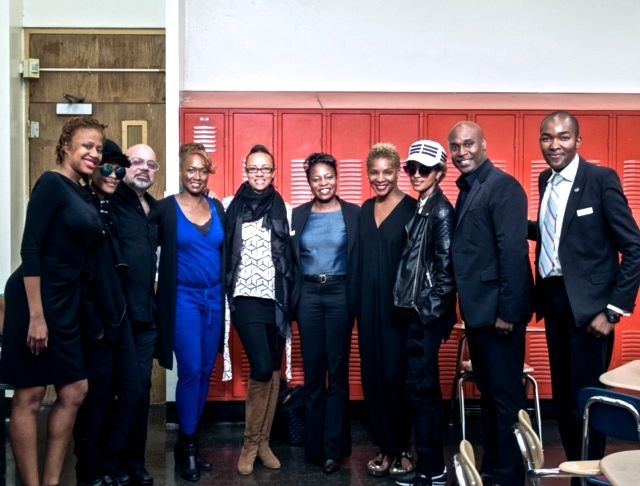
[574, 199]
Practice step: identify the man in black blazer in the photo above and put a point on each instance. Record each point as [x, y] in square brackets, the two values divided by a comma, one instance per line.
[582, 286]
[493, 276]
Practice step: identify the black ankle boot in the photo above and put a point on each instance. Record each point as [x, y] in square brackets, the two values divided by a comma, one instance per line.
[186, 458]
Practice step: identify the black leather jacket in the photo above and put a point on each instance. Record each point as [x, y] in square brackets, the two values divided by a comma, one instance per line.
[424, 281]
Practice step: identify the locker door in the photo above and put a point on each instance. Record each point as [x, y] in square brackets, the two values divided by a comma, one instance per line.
[349, 143]
[401, 130]
[208, 129]
[301, 135]
[500, 132]
[594, 130]
[627, 164]
[249, 129]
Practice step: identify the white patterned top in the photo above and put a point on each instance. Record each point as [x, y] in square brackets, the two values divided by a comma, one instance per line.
[256, 273]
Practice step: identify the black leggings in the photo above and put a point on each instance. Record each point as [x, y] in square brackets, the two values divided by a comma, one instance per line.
[255, 322]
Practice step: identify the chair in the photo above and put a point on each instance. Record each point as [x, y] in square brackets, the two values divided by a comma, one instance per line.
[533, 456]
[464, 372]
[610, 413]
[464, 464]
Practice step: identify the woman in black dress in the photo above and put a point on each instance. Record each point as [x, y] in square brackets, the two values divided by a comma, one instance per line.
[326, 247]
[43, 302]
[382, 336]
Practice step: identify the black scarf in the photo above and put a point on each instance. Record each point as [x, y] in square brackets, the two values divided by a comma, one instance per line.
[248, 206]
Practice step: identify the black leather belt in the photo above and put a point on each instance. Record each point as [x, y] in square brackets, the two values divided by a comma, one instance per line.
[323, 278]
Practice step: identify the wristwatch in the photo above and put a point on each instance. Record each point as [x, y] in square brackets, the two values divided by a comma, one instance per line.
[612, 316]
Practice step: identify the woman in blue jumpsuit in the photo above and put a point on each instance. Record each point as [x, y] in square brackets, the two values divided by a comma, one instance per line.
[191, 297]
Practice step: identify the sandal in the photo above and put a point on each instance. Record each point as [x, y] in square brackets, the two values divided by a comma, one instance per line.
[379, 465]
[402, 465]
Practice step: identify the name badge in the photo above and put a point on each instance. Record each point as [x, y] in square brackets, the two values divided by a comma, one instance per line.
[584, 211]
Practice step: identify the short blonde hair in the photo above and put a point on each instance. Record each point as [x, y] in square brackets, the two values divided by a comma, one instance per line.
[384, 150]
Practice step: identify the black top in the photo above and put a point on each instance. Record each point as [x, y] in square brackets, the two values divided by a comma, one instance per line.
[62, 228]
[138, 239]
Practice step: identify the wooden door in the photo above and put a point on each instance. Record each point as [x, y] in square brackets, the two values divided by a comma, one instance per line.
[121, 73]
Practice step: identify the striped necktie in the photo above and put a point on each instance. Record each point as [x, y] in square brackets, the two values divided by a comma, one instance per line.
[548, 229]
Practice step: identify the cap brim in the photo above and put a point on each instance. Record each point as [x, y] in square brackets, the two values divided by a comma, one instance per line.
[424, 160]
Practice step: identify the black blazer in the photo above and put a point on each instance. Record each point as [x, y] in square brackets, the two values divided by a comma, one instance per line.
[350, 213]
[490, 251]
[598, 226]
[167, 279]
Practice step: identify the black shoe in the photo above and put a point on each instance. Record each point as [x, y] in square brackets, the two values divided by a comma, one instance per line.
[95, 482]
[186, 458]
[204, 465]
[417, 479]
[122, 479]
[142, 478]
[331, 466]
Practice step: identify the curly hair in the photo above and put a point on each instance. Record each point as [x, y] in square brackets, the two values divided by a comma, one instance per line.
[384, 150]
[70, 128]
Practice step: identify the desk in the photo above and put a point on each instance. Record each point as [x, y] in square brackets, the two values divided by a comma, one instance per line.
[626, 376]
[621, 468]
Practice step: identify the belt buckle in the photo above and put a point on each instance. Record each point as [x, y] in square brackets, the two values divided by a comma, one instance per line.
[322, 278]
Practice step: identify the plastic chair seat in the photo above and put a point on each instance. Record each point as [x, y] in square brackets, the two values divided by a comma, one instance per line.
[580, 468]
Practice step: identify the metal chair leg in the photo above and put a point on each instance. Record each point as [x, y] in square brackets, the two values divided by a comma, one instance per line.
[536, 402]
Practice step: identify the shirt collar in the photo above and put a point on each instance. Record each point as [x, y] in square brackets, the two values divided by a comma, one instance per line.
[569, 172]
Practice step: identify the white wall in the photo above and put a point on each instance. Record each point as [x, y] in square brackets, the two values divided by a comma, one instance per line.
[87, 14]
[575, 46]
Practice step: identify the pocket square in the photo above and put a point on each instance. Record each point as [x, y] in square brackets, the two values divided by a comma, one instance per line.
[584, 211]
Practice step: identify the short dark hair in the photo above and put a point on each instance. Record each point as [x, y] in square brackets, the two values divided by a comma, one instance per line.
[71, 127]
[188, 149]
[565, 115]
[260, 149]
[319, 158]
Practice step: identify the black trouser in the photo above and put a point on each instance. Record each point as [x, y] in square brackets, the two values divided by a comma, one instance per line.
[255, 322]
[423, 390]
[325, 333]
[577, 360]
[99, 436]
[144, 339]
[497, 365]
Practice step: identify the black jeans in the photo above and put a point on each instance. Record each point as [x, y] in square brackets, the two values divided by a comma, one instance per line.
[255, 322]
[99, 433]
[325, 333]
[144, 339]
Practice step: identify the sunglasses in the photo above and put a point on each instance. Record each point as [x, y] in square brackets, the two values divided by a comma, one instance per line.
[107, 169]
[411, 169]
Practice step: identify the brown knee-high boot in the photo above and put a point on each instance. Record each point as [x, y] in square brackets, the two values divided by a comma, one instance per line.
[255, 410]
[265, 453]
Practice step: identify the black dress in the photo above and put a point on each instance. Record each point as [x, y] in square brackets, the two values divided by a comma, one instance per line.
[382, 336]
[61, 230]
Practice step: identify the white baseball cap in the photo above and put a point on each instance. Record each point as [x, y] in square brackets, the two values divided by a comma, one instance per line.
[427, 152]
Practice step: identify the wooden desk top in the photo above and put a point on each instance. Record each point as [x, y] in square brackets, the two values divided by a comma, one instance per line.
[626, 376]
[622, 468]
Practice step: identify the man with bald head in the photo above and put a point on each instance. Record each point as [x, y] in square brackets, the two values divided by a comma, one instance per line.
[493, 276]
[135, 212]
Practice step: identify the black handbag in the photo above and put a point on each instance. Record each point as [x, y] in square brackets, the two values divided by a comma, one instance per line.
[288, 422]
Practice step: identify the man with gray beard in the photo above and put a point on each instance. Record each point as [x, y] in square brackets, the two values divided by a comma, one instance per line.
[135, 212]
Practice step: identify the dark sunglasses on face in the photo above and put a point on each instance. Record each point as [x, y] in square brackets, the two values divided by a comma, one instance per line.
[411, 168]
[107, 169]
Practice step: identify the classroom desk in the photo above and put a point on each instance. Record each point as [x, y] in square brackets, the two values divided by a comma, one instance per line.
[622, 468]
[626, 376]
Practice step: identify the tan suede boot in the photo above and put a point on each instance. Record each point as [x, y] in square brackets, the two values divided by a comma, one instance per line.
[255, 409]
[265, 453]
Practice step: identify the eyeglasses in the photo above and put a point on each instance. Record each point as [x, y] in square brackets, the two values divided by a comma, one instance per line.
[411, 169]
[107, 169]
[152, 165]
[265, 169]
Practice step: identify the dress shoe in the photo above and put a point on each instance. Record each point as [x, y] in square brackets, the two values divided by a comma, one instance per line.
[142, 478]
[331, 466]
[122, 479]
[204, 465]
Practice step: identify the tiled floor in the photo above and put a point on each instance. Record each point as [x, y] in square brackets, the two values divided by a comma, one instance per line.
[220, 443]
